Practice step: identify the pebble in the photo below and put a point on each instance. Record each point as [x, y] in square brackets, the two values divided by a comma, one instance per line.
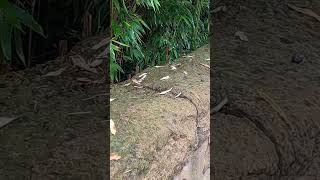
[298, 58]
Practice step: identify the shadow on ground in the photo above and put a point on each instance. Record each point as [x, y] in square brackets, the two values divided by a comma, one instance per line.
[61, 134]
[270, 127]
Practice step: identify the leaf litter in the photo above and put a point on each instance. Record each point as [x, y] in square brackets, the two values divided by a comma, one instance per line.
[80, 62]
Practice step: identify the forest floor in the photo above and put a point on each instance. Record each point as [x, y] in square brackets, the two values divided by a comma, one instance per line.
[270, 128]
[60, 128]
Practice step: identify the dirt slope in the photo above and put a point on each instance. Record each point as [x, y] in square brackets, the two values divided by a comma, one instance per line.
[156, 134]
[270, 128]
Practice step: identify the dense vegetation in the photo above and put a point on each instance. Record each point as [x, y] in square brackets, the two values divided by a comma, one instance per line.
[145, 32]
[49, 21]
[152, 32]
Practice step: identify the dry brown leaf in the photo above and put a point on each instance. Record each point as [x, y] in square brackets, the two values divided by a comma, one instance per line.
[96, 63]
[165, 92]
[164, 78]
[305, 11]
[6, 120]
[112, 127]
[205, 65]
[241, 35]
[80, 62]
[114, 157]
[54, 73]
[220, 8]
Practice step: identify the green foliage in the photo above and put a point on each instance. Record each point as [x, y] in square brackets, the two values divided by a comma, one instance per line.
[150, 28]
[11, 20]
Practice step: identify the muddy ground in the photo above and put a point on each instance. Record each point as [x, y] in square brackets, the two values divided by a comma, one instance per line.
[270, 128]
[47, 142]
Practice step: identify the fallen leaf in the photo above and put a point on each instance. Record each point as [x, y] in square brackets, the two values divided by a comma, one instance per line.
[177, 95]
[127, 84]
[114, 157]
[305, 11]
[165, 92]
[143, 74]
[112, 127]
[189, 56]
[241, 35]
[158, 66]
[127, 171]
[112, 99]
[185, 72]
[6, 120]
[208, 59]
[173, 68]
[205, 65]
[54, 73]
[142, 78]
[220, 8]
[164, 78]
[80, 62]
[96, 63]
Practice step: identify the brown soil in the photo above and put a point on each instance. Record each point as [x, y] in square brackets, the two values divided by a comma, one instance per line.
[47, 142]
[270, 127]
